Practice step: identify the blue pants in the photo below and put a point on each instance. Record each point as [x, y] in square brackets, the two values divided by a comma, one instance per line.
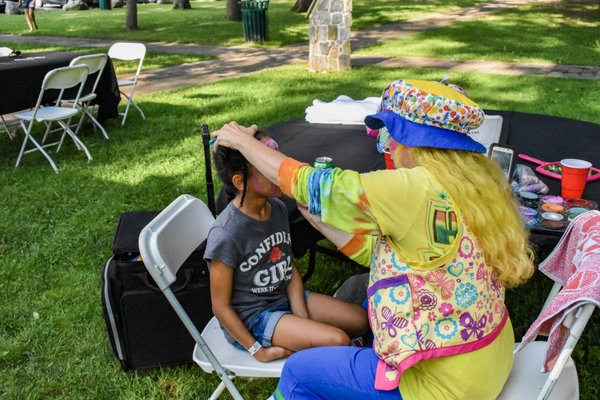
[329, 373]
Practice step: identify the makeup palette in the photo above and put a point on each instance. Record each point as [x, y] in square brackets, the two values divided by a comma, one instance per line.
[550, 212]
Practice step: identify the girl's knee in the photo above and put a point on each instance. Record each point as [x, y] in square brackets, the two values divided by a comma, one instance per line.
[338, 337]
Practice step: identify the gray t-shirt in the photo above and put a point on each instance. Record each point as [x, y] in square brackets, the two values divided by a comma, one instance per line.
[260, 253]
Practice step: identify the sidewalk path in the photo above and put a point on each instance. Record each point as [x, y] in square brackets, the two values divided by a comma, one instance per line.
[235, 61]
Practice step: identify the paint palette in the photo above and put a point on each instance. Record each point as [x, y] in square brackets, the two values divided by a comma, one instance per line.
[554, 169]
[551, 213]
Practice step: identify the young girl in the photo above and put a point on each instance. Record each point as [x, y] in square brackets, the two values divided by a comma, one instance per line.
[256, 291]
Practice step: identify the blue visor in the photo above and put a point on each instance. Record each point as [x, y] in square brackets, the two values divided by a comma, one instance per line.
[413, 134]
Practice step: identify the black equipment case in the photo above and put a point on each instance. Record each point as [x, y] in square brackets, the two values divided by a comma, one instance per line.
[143, 328]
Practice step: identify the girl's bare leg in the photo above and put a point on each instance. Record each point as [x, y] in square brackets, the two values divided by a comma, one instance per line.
[351, 318]
[297, 333]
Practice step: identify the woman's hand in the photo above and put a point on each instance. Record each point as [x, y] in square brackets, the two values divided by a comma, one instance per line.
[266, 354]
[229, 135]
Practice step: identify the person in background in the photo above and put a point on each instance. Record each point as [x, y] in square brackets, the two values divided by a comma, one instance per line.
[256, 291]
[28, 7]
[442, 236]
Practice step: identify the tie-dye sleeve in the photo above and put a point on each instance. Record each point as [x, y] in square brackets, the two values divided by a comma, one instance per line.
[338, 198]
[335, 195]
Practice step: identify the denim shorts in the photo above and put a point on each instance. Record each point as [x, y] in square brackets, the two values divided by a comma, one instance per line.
[263, 324]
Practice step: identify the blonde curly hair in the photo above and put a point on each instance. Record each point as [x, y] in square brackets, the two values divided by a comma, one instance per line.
[481, 191]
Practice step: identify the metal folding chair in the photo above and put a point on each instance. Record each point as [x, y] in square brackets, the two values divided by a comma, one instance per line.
[165, 243]
[59, 79]
[95, 64]
[129, 52]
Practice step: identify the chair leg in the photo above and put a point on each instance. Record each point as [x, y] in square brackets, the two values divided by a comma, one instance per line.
[217, 391]
[36, 144]
[126, 109]
[312, 259]
[77, 141]
[95, 122]
[129, 103]
[11, 135]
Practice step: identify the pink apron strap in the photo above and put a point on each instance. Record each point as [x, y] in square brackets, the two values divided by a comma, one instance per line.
[386, 377]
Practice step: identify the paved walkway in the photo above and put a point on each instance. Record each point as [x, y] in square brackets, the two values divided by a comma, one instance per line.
[234, 61]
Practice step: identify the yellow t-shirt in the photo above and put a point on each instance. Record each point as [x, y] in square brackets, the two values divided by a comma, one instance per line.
[399, 205]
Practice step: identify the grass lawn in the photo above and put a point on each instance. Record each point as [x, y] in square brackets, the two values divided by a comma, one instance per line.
[564, 32]
[151, 60]
[205, 23]
[56, 229]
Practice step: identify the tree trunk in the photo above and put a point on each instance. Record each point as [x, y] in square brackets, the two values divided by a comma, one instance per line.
[131, 15]
[183, 4]
[301, 6]
[234, 10]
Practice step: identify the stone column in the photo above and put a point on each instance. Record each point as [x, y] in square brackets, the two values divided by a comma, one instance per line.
[330, 24]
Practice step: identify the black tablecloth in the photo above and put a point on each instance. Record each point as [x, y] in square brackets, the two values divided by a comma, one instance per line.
[543, 137]
[21, 80]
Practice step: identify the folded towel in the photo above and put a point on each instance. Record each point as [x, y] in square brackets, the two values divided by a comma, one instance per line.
[575, 264]
[342, 110]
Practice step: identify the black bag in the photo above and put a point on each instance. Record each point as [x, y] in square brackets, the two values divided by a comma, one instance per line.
[143, 328]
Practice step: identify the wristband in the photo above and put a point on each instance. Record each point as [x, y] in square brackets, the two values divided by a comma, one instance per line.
[254, 348]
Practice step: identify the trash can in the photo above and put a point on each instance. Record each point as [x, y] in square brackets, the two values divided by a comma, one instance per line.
[105, 4]
[254, 19]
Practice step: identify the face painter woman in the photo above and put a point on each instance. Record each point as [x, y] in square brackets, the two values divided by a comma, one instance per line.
[442, 238]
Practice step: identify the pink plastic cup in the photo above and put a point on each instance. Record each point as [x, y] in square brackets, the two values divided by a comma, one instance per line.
[574, 177]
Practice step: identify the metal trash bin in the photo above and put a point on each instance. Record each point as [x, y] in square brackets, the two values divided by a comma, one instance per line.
[105, 4]
[255, 21]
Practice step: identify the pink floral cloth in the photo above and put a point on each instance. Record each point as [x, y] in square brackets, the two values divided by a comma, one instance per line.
[574, 263]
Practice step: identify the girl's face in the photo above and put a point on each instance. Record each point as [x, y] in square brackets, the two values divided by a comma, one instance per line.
[261, 185]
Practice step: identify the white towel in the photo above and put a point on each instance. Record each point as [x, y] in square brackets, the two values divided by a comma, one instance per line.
[343, 110]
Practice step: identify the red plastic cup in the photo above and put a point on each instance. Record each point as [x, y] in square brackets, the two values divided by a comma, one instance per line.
[574, 177]
[389, 163]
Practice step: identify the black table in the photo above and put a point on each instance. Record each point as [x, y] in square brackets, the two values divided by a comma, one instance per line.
[543, 137]
[21, 81]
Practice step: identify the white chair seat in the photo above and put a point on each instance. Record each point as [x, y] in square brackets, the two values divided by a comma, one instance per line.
[48, 114]
[230, 357]
[526, 380]
[83, 99]
[125, 83]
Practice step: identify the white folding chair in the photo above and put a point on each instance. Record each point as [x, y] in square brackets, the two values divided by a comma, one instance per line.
[165, 243]
[95, 63]
[526, 381]
[488, 132]
[60, 79]
[4, 52]
[129, 52]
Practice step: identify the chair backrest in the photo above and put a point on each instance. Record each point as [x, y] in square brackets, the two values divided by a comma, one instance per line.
[62, 79]
[5, 51]
[488, 132]
[128, 52]
[95, 63]
[165, 243]
[168, 240]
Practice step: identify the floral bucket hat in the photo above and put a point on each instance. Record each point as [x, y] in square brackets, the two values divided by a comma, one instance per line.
[428, 114]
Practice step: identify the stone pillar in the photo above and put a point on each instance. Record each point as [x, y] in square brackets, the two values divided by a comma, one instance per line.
[330, 24]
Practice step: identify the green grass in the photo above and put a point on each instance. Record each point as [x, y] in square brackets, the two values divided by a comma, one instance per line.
[56, 229]
[151, 60]
[557, 32]
[205, 23]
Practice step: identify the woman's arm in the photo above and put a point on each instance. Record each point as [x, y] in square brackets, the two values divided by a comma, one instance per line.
[335, 195]
[221, 286]
[357, 247]
[295, 291]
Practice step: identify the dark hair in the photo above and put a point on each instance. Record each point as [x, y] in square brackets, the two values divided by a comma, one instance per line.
[229, 162]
